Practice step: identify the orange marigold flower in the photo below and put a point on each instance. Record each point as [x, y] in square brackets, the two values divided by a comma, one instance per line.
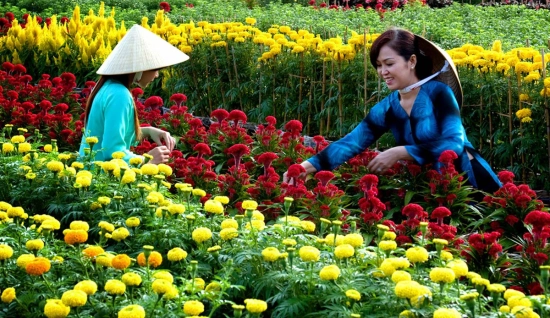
[73, 237]
[93, 251]
[155, 259]
[38, 266]
[121, 261]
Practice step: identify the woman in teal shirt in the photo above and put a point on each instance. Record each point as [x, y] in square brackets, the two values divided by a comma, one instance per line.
[111, 114]
[422, 113]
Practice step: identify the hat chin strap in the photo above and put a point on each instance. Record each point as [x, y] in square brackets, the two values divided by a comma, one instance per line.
[409, 88]
[137, 78]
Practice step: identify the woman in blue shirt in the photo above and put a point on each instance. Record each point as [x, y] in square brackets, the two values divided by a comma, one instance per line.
[422, 113]
[111, 113]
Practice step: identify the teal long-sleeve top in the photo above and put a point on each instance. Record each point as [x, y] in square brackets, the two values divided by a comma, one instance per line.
[433, 126]
[111, 120]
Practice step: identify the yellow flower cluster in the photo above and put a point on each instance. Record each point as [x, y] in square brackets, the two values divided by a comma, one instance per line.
[201, 234]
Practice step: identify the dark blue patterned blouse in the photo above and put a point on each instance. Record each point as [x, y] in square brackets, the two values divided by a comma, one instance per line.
[434, 125]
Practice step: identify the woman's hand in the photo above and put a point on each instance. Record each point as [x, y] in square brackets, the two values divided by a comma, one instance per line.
[386, 159]
[160, 154]
[309, 169]
[158, 136]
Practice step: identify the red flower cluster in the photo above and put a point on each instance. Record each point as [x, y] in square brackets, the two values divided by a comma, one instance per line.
[165, 6]
[482, 246]
[372, 209]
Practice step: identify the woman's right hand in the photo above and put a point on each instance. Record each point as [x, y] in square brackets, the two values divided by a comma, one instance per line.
[160, 154]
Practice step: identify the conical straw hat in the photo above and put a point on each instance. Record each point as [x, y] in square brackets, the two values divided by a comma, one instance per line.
[439, 56]
[140, 50]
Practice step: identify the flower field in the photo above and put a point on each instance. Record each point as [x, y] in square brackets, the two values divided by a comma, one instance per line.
[215, 232]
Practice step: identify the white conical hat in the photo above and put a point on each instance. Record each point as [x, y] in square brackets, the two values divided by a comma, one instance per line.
[140, 50]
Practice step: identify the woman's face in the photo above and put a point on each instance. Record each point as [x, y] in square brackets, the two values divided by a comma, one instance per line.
[147, 77]
[394, 69]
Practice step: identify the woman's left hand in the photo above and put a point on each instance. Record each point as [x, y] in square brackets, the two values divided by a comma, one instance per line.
[159, 136]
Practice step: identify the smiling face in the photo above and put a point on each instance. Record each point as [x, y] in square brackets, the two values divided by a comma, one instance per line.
[397, 72]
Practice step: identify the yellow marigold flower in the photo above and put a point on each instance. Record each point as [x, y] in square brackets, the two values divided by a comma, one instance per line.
[87, 286]
[447, 313]
[308, 226]
[353, 294]
[24, 147]
[298, 49]
[271, 254]
[131, 279]
[165, 169]
[31, 245]
[523, 312]
[389, 236]
[531, 77]
[92, 141]
[18, 139]
[257, 224]
[459, 267]
[201, 234]
[73, 237]
[229, 233]
[309, 254]
[118, 155]
[161, 286]
[526, 120]
[55, 308]
[93, 251]
[329, 239]
[523, 113]
[522, 67]
[496, 288]
[519, 300]
[249, 205]
[4, 206]
[135, 161]
[38, 266]
[193, 307]
[213, 206]
[512, 292]
[406, 314]
[115, 287]
[523, 97]
[164, 275]
[257, 215]
[229, 223]
[74, 298]
[289, 242]
[222, 199]
[104, 201]
[250, 21]
[469, 296]
[330, 272]
[132, 311]
[121, 261]
[132, 221]
[129, 176]
[109, 166]
[24, 259]
[104, 259]
[407, 289]
[417, 254]
[440, 241]
[120, 234]
[442, 275]
[344, 251]
[7, 148]
[8, 295]
[47, 148]
[387, 245]
[503, 68]
[479, 281]
[154, 260]
[5, 252]
[399, 276]
[15, 211]
[255, 306]
[446, 256]
[199, 192]
[149, 169]
[387, 267]
[504, 309]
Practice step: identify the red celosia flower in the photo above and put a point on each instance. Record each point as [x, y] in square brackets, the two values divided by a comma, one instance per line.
[203, 149]
[165, 6]
[447, 157]
[64, 20]
[220, 114]
[7, 66]
[10, 16]
[178, 99]
[413, 210]
[439, 213]
[27, 105]
[506, 176]
[61, 108]
[271, 120]
[45, 105]
[137, 92]
[295, 170]
[294, 126]
[538, 219]
[20, 69]
[237, 151]
[324, 177]
[153, 102]
[237, 116]
[266, 159]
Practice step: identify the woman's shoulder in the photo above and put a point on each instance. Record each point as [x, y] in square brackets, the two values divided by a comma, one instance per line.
[436, 86]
